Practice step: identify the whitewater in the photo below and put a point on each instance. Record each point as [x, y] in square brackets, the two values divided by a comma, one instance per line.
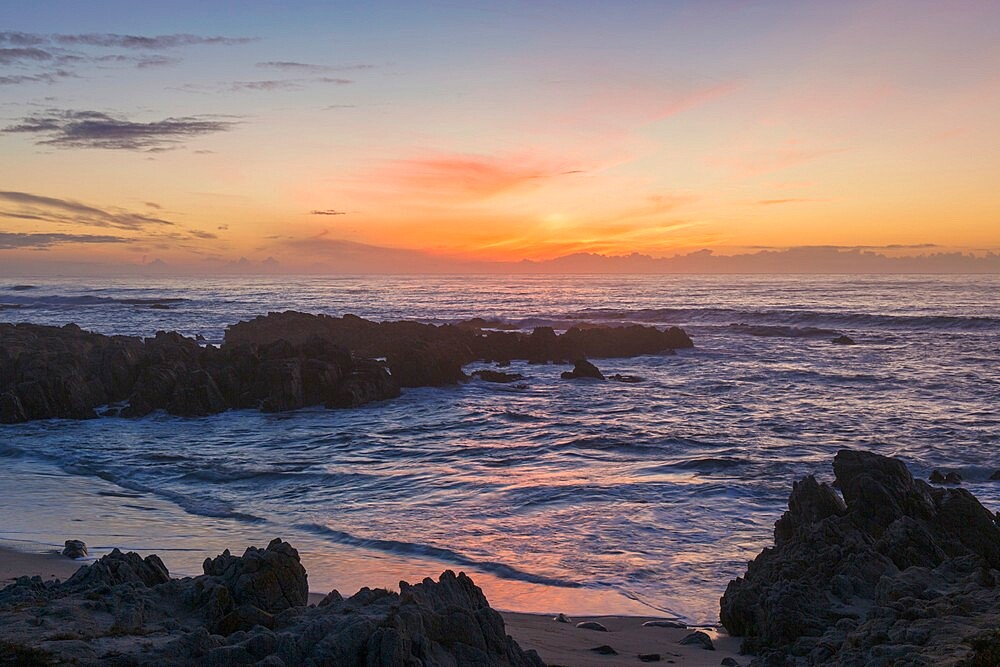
[556, 496]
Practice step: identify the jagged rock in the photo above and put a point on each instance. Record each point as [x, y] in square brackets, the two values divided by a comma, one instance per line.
[248, 610]
[75, 549]
[699, 639]
[496, 376]
[591, 625]
[843, 339]
[900, 571]
[583, 369]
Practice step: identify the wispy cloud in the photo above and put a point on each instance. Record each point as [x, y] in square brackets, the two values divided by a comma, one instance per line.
[293, 66]
[328, 211]
[95, 129]
[13, 240]
[775, 202]
[27, 206]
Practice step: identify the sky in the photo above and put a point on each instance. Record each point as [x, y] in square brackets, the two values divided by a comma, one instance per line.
[458, 135]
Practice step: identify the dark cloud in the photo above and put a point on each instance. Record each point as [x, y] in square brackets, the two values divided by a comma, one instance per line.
[21, 54]
[42, 77]
[95, 129]
[27, 206]
[12, 241]
[149, 42]
[142, 62]
[328, 211]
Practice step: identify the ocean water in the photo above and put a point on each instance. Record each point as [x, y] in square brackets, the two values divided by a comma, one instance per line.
[563, 496]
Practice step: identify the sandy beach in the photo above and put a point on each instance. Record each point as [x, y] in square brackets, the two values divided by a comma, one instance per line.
[557, 643]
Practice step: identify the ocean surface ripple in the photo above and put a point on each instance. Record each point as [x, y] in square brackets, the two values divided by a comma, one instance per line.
[654, 493]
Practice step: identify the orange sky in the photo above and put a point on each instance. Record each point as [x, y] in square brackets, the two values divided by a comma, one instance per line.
[476, 133]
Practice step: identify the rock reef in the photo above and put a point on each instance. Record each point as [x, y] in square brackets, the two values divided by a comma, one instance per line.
[894, 572]
[248, 610]
[277, 362]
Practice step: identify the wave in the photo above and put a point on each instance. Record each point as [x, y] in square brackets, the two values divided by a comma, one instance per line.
[501, 570]
[69, 301]
[802, 318]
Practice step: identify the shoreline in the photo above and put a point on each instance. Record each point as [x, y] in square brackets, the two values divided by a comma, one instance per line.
[557, 643]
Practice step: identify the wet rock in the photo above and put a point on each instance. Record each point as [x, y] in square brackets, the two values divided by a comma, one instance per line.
[951, 477]
[562, 618]
[664, 623]
[628, 379]
[843, 339]
[649, 657]
[496, 376]
[591, 625]
[729, 662]
[236, 613]
[604, 649]
[995, 477]
[583, 369]
[699, 639]
[900, 572]
[74, 549]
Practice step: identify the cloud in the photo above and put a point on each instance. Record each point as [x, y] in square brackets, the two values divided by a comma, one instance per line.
[95, 129]
[774, 202]
[17, 55]
[13, 241]
[328, 211]
[149, 42]
[272, 84]
[26, 206]
[292, 66]
[42, 77]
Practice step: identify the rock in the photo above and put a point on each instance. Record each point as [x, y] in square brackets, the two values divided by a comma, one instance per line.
[900, 572]
[604, 649]
[496, 376]
[664, 623]
[562, 618]
[729, 662]
[591, 625]
[938, 477]
[843, 339]
[649, 657]
[699, 639]
[75, 549]
[238, 613]
[628, 379]
[583, 369]
[995, 476]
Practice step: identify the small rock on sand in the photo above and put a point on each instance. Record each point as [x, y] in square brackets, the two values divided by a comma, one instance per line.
[649, 657]
[75, 549]
[604, 649]
[592, 625]
[664, 624]
[562, 618]
[729, 662]
[699, 639]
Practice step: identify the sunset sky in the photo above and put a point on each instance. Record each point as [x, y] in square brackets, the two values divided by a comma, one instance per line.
[307, 133]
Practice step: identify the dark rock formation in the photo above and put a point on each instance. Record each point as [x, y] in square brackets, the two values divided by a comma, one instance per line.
[592, 625]
[583, 369]
[279, 362]
[604, 649]
[649, 657]
[938, 477]
[699, 639]
[496, 376]
[628, 379]
[898, 572]
[125, 610]
[665, 624]
[75, 549]
[843, 339]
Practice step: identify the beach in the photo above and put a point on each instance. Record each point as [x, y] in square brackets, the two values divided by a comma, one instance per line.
[557, 643]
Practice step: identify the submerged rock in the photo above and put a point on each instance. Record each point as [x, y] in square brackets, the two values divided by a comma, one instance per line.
[75, 549]
[843, 339]
[898, 572]
[583, 369]
[487, 375]
[124, 609]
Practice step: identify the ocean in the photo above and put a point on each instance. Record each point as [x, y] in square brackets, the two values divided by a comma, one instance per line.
[559, 497]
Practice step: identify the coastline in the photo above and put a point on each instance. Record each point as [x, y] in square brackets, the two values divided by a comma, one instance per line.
[557, 643]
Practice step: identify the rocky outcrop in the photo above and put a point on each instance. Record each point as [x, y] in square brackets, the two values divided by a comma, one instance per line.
[248, 610]
[279, 362]
[896, 572]
[583, 369]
